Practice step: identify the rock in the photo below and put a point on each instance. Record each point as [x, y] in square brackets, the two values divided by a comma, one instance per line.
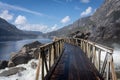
[11, 64]
[3, 64]
[20, 59]
[33, 65]
[81, 35]
[36, 54]
[32, 45]
[28, 52]
[12, 71]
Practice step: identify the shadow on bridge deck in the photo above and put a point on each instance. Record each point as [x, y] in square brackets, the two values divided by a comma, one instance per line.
[74, 65]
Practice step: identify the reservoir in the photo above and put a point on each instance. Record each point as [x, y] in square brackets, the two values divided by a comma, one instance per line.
[8, 47]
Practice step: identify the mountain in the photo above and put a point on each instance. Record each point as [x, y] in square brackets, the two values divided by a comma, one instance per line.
[10, 32]
[7, 29]
[104, 24]
[34, 32]
[80, 24]
[107, 20]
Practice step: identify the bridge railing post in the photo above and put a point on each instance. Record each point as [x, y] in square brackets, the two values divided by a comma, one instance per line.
[38, 67]
[99, 59]
[112, 68]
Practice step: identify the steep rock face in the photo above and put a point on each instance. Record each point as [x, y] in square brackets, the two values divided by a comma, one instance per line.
[107, 20]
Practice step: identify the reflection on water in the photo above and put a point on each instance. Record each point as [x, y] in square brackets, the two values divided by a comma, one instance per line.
[6, 48]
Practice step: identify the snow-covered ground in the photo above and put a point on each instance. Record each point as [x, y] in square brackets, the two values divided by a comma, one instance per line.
[28, 74]
[116, 54]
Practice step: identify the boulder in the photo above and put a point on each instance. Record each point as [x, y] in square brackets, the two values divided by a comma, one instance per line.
[79, 34]
[12, 71]
[11, 64]
[33, 65]
[30, 46]
[19, 59]
[28, 52]
[3, 64]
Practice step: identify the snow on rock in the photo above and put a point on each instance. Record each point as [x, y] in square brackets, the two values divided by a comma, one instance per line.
[28, 74]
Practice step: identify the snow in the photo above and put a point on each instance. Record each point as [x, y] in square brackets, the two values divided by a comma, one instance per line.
[28, 74]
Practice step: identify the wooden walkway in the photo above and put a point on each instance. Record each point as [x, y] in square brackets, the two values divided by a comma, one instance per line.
[74, 65]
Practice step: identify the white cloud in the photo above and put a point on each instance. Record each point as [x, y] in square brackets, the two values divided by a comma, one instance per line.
[20, 20]
[55, 27]
[87, 12]
[6, 15]
[85, 1]
[65, 19]
[33, 27]
[22, 23]
[8, 6]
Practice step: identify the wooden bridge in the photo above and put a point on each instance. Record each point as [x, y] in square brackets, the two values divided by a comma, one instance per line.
[75, 59]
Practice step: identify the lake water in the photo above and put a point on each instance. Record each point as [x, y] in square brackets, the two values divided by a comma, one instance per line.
[7, 47]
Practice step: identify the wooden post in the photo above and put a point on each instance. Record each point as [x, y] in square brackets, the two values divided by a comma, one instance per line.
[52, 55]
[56, 48]
[107, 70]
[76, 42]
[87, 49]
[42, 65]
[104, 64]
[91, 53]
[81, 44]
[38, 69]
[112, 69]
[99, 59]
[94, 53]
[59, 47]
[54, 52]
[45, 60]
[49, 50]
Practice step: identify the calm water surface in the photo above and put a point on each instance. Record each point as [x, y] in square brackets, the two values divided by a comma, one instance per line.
[7, 47]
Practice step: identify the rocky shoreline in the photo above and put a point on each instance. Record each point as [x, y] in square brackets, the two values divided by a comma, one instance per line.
[25, 54]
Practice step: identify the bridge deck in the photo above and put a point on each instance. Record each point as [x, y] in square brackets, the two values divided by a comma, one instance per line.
[74, 65]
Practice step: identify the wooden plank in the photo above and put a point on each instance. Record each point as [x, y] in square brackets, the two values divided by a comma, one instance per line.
[74, 65]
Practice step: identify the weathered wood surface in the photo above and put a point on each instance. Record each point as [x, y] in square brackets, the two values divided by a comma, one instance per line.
[74, 65]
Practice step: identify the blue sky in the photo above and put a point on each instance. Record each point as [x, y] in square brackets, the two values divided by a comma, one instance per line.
[46, 15]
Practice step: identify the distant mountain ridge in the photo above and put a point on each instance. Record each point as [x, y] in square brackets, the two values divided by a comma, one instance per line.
[7, 29]
[104, 24]
[10, 32]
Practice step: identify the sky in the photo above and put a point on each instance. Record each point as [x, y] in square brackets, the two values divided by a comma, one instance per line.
[46, 15]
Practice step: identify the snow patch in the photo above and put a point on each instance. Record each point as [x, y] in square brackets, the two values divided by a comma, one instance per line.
[28, 74]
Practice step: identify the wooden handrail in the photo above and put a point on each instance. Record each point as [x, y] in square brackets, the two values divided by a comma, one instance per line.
[90, 48]
[48, 55]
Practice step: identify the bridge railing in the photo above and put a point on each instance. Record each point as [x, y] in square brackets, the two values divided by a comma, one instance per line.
[101, 56]
[49, 55]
